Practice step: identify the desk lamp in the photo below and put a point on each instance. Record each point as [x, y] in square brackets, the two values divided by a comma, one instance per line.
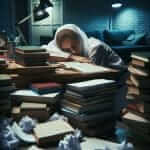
[38, 13]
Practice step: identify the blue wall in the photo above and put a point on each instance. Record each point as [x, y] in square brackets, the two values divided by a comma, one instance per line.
[7, 16]
[135, 14]
[89, 14]
[95, 14]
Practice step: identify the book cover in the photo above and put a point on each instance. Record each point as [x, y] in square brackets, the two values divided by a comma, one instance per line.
[138, 91]
[5, 80]
[92, 93]
[136, 120]
[33, 106]
[94, 84]
[46, 87]
[138, 82]
[30, 49]
[41, 115]
[27, 96]
[142, 56]
[86, 117]
[99, 107]
[36, 55]
[89, 101]
[138, 72]
[51, 131]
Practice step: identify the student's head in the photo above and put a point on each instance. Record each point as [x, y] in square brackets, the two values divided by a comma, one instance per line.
[69, 41]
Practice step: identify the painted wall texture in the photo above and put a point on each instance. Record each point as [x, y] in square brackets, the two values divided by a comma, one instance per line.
[6, 16]
[135, 14]
[90, 15]
[95, 14]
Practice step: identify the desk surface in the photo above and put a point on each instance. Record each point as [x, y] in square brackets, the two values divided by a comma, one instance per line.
[54, 72]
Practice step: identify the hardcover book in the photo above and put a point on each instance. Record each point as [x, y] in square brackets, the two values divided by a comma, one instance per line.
[141, 60]
[30, 49]
[46, 87]
[5, 80]
[99, 107]
[51, 131]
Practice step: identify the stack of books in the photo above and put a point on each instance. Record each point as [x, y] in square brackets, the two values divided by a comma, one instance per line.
[38, 111]
[139, 92]
[3, 63]
[6, 87]
[31, 56]
[139, 84]
[89, 106]
[28, 102]
[138, 126]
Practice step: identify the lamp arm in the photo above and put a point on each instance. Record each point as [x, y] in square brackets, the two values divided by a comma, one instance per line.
[24, 19]
[21, 34]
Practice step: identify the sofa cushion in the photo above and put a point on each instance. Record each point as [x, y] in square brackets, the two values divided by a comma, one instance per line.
[96, 34]
[139, 39]
[115, 37]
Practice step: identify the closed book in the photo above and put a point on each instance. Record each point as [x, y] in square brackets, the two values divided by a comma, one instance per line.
[3, 51]
[141, 97]
[134, 120]
[92, 93]
[96, 84]
[51, 131]
[37, 55]
[5, 80]
[49, 99]
[138, 82]
[99, 107]
[89, 100]
[30, 49]
[141, 59]
[2, 61]
[103, 131]
[46, 87]
[86, 117]
[92, 124]
[138, 91]
[7, 89]
[33, 106]
[40, 115]
[137, 71]
[33, 63]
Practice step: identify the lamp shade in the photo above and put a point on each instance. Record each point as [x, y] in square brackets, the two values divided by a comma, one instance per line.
[39, 13]
[117, 5]
[45, 4]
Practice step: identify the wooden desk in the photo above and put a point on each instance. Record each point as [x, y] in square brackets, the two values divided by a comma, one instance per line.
[53, 72]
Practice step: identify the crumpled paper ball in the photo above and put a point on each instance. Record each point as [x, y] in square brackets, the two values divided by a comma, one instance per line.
[27, 124]
[57, 116]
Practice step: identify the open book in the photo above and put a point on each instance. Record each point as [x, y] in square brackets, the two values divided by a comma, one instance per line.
[84, 67]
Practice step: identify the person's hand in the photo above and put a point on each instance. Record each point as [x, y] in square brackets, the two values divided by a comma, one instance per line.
[80, 59]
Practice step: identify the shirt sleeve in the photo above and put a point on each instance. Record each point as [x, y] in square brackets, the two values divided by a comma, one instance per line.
[103, 55]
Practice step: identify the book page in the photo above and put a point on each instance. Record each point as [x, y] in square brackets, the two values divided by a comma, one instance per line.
[85, 67]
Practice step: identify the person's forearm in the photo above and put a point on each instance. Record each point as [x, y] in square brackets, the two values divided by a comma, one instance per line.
[79, 59]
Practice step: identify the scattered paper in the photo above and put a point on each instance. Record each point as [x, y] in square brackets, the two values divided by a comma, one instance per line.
[23, 136]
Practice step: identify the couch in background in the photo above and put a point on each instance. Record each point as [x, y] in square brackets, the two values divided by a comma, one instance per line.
[124, 42]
